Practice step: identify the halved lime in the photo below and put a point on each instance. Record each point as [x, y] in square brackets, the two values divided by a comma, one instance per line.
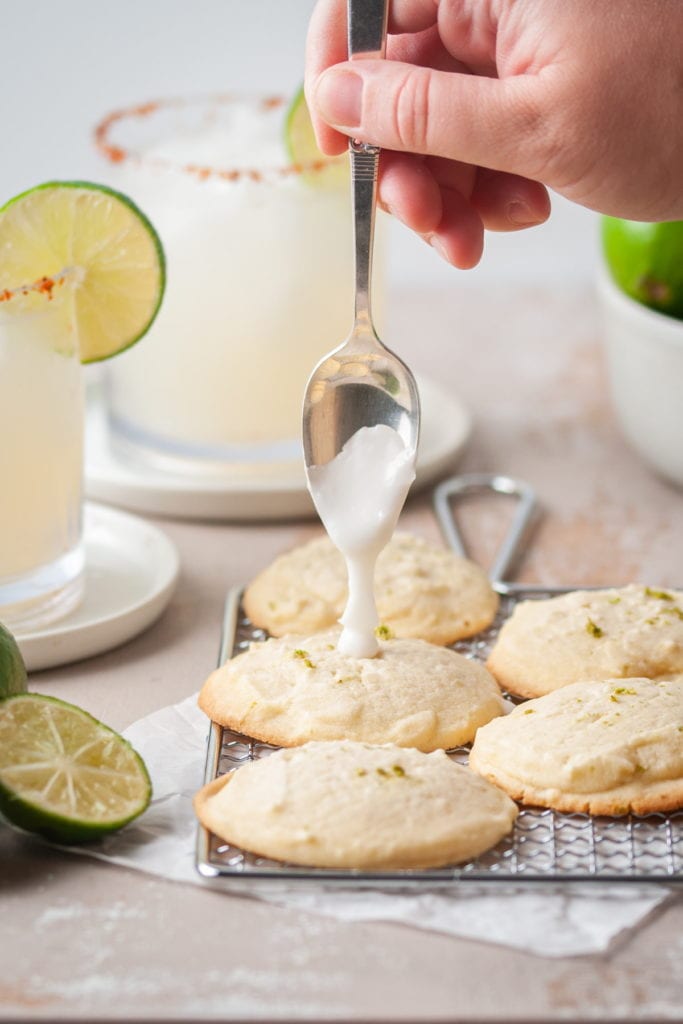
[97, 240]
[317, 169]
[65, 775]
[646, 261]
[12, 668]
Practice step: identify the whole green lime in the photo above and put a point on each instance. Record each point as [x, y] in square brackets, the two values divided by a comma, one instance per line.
[12, 668]
[646, 261]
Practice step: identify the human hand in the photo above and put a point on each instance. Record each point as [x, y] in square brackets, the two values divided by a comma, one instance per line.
[478, 103]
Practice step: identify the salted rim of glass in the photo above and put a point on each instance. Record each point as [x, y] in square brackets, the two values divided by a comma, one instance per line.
[118, 154]
[44, 288]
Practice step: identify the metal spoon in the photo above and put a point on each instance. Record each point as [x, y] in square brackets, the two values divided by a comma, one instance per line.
[361, 383]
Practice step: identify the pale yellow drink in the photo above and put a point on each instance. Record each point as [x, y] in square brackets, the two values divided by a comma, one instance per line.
[41, 458]
[259, 283]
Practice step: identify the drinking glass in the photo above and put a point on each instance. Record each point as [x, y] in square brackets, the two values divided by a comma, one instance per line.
[259, 283]
[41, 459]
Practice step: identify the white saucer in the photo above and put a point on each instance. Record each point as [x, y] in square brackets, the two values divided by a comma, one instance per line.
[131, 569]
[278, 492]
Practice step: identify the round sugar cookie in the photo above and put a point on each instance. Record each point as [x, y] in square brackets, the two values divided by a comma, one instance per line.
[608, 747]
[290, 690]
[353, 805]
[589, 634]
[422, 590]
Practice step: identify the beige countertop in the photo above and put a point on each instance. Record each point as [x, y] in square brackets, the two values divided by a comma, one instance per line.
[87, 941]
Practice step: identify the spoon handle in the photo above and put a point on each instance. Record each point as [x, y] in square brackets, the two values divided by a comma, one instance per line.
[364, 161]
[367, 28]
[367, 21]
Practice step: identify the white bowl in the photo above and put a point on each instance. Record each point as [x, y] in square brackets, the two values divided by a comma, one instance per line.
[644, 352]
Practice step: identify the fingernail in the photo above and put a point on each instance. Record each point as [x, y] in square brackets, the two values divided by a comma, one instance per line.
[436, 244]
[338, 96]
[519, 213]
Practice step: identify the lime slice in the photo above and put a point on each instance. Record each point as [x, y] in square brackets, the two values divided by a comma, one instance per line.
[12, 668]
[317, 169]
[96, 239]
[646, 261]
[65, 775]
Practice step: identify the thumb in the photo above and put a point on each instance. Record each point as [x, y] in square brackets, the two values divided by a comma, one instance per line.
[489, 122]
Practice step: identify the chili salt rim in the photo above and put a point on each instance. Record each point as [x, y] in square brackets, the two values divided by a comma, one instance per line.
[43, 286]
[117, 154]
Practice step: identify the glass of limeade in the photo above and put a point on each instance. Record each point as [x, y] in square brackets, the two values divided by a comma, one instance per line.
[41, 458]
[259, 282]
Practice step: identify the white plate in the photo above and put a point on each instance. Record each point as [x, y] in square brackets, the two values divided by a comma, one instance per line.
[258, 494]
[131, 569]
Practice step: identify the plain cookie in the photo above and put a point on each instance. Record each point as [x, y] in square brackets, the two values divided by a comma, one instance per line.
[589, 634]
[422, 590]
[608, 747]
[352, 805]
[290, 690]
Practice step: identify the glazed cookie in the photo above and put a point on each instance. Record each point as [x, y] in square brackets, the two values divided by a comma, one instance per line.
[290, 690]
[353, 805]
[589, 634]
[422, 590]
[609, 747]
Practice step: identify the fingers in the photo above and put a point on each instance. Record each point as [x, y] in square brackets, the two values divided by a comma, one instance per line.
[507, 202]
[425, 49]
[424, 101]
[440, 212]
[325, 45]
[412, 15]
[496, 123]
[459, 238]
[450, 204]
[408, 190]
[417, 42]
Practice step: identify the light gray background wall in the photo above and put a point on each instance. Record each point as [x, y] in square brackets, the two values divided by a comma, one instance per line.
[63, 65]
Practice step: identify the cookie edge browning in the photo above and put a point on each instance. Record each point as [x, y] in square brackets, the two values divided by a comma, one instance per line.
[203, 795]
[519, 687]
[252, 609]
[255, 598]
[276, 739]
[273, 737]
[445, 637]
[241, 727]
[657, 797]
[256, 611]
[256, 607]
[515, 679]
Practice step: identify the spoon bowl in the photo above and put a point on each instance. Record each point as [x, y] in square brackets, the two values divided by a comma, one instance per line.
[359, 384]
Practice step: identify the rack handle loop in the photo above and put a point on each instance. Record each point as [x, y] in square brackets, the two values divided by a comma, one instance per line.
[447, 495]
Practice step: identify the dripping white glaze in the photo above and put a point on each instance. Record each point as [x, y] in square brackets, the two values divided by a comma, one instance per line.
[359, 495]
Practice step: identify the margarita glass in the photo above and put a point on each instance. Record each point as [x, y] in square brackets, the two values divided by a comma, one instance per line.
[259, 283]
[41, 457]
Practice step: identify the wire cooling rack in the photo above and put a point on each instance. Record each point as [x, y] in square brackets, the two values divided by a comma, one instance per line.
[544, 845]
